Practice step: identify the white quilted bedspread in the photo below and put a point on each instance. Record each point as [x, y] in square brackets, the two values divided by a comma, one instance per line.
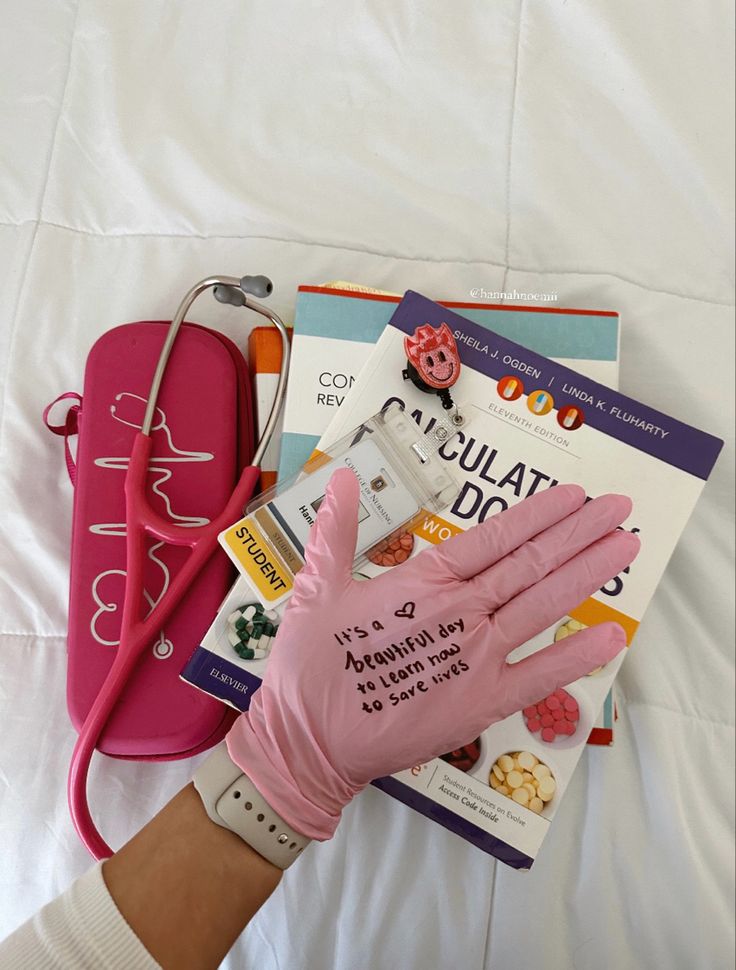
[563, 146]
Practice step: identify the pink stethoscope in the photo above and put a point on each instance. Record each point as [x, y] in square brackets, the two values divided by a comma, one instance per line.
[137, 631]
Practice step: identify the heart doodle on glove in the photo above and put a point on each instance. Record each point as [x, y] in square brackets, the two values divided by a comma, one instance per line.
[407, 610]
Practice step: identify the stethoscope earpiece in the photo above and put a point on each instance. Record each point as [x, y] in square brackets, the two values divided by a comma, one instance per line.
[260, 286]
[229, 294]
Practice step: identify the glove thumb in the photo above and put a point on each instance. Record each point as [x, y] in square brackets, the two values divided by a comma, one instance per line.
[330, 551]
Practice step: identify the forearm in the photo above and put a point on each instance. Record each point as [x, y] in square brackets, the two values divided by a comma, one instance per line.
[188, 887]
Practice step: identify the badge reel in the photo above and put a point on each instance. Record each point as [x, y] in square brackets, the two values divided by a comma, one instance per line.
[401, 475]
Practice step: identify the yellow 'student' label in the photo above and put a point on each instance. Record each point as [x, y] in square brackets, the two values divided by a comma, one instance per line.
[258, 560]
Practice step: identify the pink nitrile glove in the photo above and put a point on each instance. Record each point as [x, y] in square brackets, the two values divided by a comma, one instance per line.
[323, 724]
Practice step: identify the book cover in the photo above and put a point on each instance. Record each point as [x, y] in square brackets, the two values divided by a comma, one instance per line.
[588, 338]
[338, 323]
[335, 331]
[533, 422]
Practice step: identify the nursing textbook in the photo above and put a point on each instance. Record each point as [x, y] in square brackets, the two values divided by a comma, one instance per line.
[337, 325]
[530, 423]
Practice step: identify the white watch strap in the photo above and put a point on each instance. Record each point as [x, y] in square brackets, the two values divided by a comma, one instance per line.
[231, 800]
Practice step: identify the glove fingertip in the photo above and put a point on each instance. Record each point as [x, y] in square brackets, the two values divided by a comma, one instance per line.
[343, 484]
[624, 504]
[634, 544]
[574, 493]
[609, 640]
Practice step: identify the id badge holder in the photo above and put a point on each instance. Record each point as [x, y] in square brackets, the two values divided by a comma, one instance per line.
[400, 474]
[402, 478]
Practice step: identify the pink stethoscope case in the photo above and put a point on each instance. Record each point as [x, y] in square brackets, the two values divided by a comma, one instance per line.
[202, 436]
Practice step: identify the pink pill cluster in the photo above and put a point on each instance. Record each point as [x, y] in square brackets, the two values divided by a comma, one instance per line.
[554, 717]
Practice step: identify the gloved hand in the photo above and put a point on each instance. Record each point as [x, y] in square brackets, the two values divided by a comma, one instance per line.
[369, 677]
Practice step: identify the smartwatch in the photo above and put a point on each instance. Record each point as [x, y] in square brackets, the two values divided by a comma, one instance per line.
[232, 801]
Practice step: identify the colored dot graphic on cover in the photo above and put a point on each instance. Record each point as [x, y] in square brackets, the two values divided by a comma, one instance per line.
[570, 417]
[251, 630]
[522, 777]
[510, 387]
[555, 716]
[392, 551]
[540, 402]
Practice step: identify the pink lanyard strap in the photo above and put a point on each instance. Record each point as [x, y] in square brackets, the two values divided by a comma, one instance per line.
[66, 430]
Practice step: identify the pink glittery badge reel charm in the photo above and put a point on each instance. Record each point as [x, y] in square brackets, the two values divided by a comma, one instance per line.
[433, 363]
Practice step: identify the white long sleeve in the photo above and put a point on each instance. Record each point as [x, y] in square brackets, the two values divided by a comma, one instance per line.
[82, 929]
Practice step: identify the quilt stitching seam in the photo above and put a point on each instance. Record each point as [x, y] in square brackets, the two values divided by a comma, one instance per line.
[462, 261]
[673, 710]
[32, 636]
[488, 943]
[512, 119]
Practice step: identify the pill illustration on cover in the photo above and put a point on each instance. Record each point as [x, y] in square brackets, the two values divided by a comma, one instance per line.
[555, 716]
[506, 763]
[514, 779]
[527, 760]
[530, 789]
[251, 630]
[540, 402]
[392, 551]
[466, 757]
[570, 417]
[510, 388]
